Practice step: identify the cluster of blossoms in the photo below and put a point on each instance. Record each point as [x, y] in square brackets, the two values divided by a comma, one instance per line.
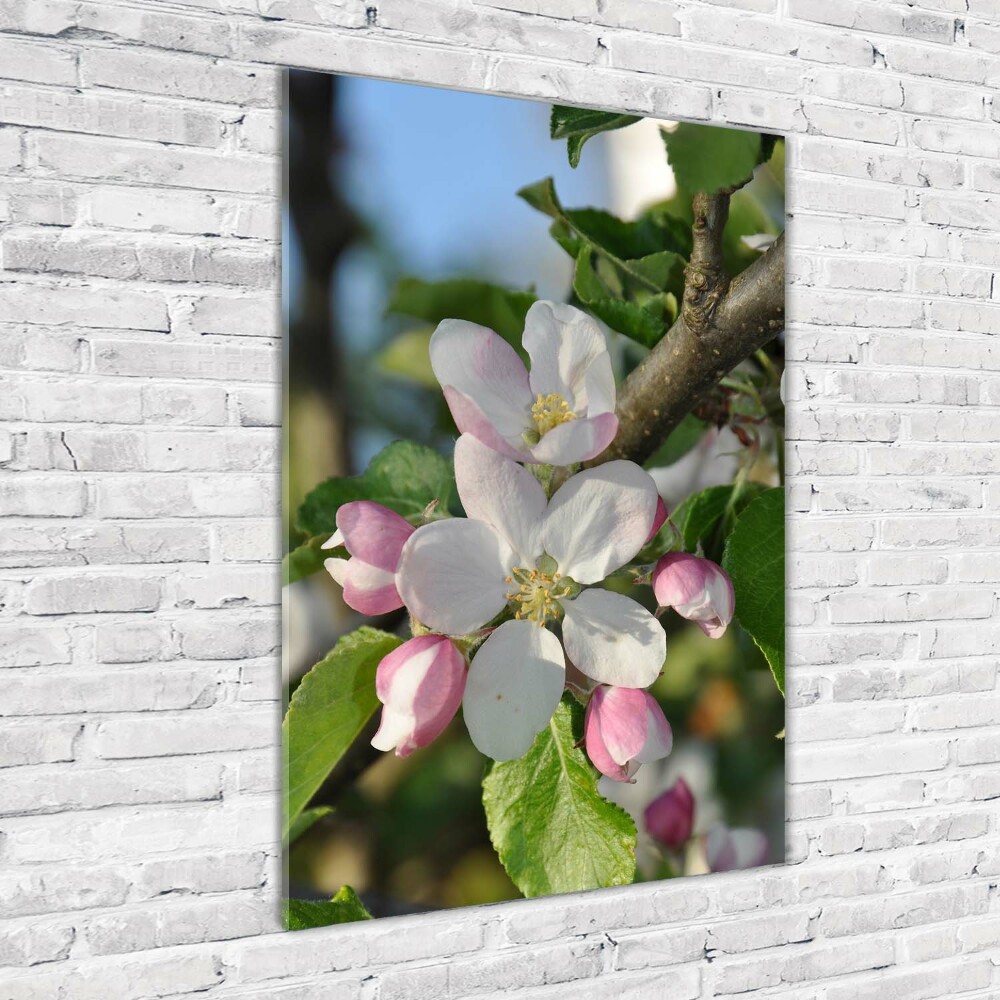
[505, 603]
[669, 820]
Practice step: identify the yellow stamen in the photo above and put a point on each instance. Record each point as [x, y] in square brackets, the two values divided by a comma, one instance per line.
[550, 411]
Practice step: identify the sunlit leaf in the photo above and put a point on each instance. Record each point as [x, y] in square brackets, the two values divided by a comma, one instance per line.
[705, 158]
[304, 560]
[754, 558]
[408, 356]
[305, 820]
[577, 125]
[405, 477]
[625, 317]
[628, 245]
[681, 440]
[500, 309]
[551, 828]
[344, 908]
[327, 713]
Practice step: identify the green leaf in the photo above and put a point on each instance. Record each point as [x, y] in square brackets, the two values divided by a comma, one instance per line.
[625, 317]
[681, 440]
[405, 477]
[328, 711]
[344, 908]
[305, 559]
[628, 245]
[501, 309]
[305, 820]
[706, 158]
[408, 356]
[551, 829]
[699, 513]
[577, 125]
[754, 558]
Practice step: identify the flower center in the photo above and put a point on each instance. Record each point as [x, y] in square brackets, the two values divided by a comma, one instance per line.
[537, 594]
[550, 411]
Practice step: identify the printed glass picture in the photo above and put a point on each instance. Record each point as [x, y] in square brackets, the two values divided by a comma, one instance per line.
[534, 500]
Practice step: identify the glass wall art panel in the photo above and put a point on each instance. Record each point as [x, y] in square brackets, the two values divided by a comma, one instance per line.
[534, 499]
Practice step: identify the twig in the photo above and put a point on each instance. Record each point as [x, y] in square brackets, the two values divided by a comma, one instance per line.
[720, 325]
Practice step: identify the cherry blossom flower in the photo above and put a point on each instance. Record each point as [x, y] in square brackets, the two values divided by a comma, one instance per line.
[520, 554]
[420, 685]
[669, 818]
[729, 849]
[561, 413]
[623, 728]
[374, 536]
[696, 589]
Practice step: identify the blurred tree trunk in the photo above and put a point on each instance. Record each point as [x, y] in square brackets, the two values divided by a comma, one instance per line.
[317, 424]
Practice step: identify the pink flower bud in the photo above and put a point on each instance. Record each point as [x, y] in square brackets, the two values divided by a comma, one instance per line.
[659, 517]
[623, 728]
[696, 589]
[420, 685]
[727, 850]
[374, 536]
[670, 817]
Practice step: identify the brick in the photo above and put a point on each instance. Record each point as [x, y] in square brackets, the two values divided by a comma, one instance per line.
[177, 75]
[228, 495]
[228, 638]
[183, 360]
[166, 734]
[111, 159]
[83, 305]
[45, 742]
[92, 593]
[104, 114]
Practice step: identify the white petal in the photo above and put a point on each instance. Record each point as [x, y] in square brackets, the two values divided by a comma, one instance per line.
[613, 639]
[599, 519]
[563, 344]
[485, 368]
[334, 541]
[514, 685]
[337, 568]
[451, 575]
[503, 494]
[576, 441]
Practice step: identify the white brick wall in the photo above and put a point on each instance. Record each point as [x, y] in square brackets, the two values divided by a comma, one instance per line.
[139, 390]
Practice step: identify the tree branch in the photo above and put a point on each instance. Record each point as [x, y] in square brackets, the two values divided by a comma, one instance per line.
[720, 325]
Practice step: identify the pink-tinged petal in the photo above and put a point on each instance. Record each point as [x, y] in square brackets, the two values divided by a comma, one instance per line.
[669, 818]
[566, 346]
[599, 519]
[732, 849]
[370, 590]
[420, 685]
[613, 639]
[451, 574]
[600, 386]
[470, 419]
[659, 520]
[501, 493]
[483, 367]
[373, 533]
[515, 682]
[616, 720]
[624, 728]
[659, 736]
[576, 441]
[697, 589]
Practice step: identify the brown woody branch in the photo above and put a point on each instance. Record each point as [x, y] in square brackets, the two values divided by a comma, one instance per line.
[721, 324]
